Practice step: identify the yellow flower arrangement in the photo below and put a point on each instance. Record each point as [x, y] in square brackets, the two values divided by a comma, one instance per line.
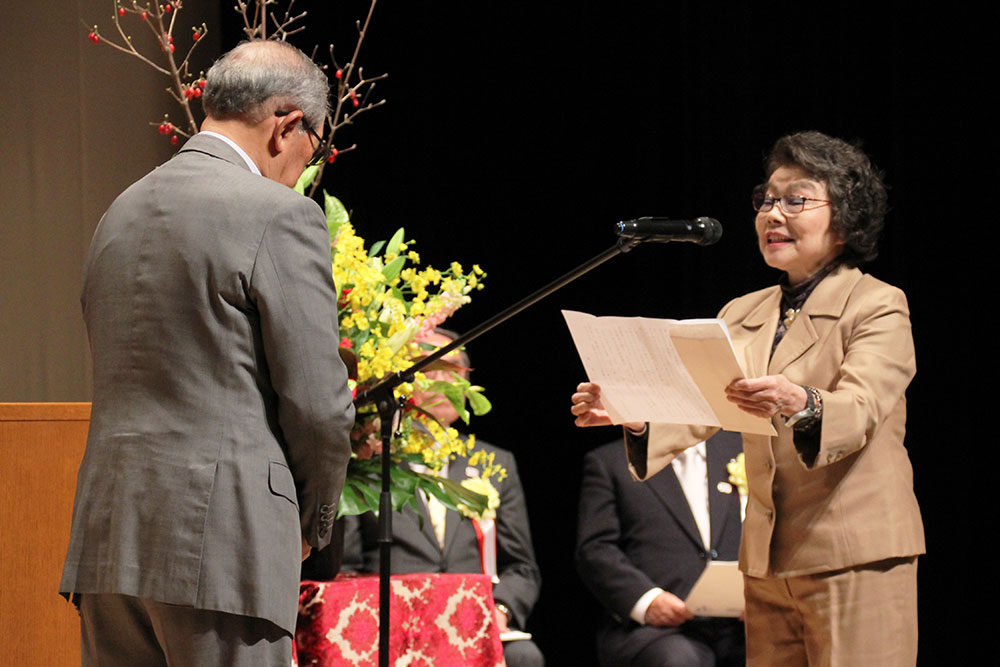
[481, 485]
[387, 306]
[738, 474]
[737, 470]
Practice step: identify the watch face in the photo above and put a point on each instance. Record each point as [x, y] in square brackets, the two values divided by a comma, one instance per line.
[801, 415]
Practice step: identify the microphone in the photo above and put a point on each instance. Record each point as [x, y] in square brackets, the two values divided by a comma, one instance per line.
[703, 231]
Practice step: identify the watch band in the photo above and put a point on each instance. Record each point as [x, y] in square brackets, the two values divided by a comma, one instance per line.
[812, 411]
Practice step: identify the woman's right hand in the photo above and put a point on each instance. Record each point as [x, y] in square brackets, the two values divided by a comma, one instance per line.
[590, 411]
[587, 406]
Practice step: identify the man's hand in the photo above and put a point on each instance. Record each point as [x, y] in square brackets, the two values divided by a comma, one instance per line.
[590, 411]
[306, 549]
[767, 396]
[667, 611]
[501, 619]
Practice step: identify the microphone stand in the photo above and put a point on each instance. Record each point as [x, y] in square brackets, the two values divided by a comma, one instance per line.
[388, 407]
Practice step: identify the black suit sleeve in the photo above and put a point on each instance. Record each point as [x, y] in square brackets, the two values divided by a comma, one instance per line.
[520, 578]
[600, 561]
[353, 559]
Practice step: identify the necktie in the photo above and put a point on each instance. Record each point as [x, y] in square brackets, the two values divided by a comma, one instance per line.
[438, 514]
[691, 469]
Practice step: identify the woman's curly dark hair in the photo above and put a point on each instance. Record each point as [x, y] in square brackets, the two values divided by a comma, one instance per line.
[857, 192]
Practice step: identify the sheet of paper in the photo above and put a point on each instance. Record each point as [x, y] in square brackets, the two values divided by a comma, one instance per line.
[718, 591]
[662, 371]
[708, 355]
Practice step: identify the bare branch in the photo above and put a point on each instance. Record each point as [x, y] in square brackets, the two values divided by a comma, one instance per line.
[353, 90]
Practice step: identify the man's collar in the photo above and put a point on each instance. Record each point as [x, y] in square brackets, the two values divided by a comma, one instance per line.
[235, 147]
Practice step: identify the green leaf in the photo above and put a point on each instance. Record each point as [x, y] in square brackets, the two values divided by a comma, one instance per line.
[432, 486]
[362, 336]
[392, 269]
[456, 397]
[401, 499]
[369, 489]
[395, 242]
[403, 486]
[306, 178]
[479, 403]
[357, 498]
[336, 214]
[451, 493]
[477, 501]
[376, 247]
[412, 503]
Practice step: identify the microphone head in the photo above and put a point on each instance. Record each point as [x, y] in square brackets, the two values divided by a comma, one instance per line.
[713, 230]
[703, 231]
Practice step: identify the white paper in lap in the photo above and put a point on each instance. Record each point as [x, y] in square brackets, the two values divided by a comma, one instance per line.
[636, 364]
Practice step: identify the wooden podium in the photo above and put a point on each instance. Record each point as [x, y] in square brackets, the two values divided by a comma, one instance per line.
[41, 445]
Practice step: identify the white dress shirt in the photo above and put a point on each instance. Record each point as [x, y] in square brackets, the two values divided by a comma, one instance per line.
[233, 144]
[691, 468]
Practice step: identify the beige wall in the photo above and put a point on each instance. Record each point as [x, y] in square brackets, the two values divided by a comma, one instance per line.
[74, 118]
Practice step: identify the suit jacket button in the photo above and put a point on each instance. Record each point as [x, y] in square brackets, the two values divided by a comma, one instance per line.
[715, 554]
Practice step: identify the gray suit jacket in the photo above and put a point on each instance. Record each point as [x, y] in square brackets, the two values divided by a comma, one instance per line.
[634, 536]
[219, 431]
[415, 548]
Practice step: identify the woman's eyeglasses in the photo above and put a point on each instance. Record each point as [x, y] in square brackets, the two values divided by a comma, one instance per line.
[790, 204]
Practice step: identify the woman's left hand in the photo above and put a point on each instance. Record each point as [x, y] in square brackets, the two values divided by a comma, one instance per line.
[767, 396]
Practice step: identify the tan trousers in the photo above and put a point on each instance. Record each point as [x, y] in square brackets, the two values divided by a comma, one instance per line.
[124, 631]
[849, 618]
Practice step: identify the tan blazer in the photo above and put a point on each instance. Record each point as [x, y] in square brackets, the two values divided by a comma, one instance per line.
[855, 503]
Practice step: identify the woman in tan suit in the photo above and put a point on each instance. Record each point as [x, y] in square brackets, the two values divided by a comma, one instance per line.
[832, 529]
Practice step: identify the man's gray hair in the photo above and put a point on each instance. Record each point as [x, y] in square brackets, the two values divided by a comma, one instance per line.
[257, 78]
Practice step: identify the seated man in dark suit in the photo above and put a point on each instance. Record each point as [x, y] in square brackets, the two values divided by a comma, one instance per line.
[453, 547]
[642, 545]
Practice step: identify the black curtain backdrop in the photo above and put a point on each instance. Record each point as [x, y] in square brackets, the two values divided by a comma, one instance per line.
[516, 135]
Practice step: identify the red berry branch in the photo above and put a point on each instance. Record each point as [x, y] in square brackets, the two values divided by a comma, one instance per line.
[350, 84]
[255, 20]
[160, 20]
[354, 91]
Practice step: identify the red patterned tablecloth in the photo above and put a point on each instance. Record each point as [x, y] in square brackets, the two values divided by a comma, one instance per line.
[438, 620]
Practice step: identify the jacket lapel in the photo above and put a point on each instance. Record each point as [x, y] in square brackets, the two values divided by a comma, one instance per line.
[424, 519]
[718, 502]
[667, 488]
[760, 325]
[456, 473]
[820, 312]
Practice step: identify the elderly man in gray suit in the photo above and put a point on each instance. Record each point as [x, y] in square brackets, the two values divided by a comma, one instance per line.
[219, 435]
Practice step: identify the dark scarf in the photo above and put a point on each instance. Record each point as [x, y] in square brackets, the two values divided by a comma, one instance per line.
[793, 297]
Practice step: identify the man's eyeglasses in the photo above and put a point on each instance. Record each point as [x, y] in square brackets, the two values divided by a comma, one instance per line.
[322, 152]
[790, 204]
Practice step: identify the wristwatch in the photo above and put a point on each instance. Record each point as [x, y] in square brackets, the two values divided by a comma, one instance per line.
[813, 409]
